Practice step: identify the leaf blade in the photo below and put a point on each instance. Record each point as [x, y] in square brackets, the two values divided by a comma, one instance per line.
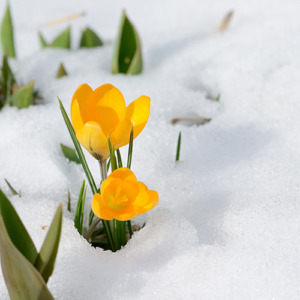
[90, 39]
[127, 57]
[16, 230]
[63, 40]
[46, 258]
[80, 208]
[70, 153]
[23, 97]
[7, 34]
[22, 280]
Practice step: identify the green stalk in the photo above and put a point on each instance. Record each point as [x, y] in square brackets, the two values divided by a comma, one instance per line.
[122, 232]
[129, 228]
[116, 236]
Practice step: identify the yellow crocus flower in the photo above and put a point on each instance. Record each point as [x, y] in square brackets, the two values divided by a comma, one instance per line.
[102, 113]
[123, 197]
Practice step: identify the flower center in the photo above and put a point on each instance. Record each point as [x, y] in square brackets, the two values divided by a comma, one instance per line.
[117, 200]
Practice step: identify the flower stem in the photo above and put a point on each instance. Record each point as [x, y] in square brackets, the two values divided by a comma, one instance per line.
[103, 169]
[129, 228]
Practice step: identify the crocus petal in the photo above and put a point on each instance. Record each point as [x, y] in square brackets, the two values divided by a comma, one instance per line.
[138, 112]
[96, 204]
[106, 117]
[153, 200]
[121, 134]
[109, 96]
[146, 199]
[79, 105]
[126, 216]
[92, 138]
[107, 214]
[123, 174]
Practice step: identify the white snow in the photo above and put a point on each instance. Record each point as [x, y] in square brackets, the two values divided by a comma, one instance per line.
[227, 225]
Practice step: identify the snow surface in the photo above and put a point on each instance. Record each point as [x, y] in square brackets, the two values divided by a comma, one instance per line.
[227, 225]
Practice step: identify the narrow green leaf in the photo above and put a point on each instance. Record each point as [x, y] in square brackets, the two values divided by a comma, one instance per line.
[90, 39]
[130, 150]
[16, 230]
[63, 40]
[42, 41]
[78, 220]
[218, 97]
[127, 57]
[22, 279]
[45, 260]
[70, 153]
[23, 97]
[78, 149]
[108, 165]
[7, 73]
[13, 191]
[69, 201]
[61, 72]
[178, 147]
[7, 34]
[113, 160]
[120, 164]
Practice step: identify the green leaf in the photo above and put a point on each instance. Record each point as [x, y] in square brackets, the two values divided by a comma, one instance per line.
[61, 72]
[22, 280]
[78, 149]
[127, 56]
[23, 97]
[16, 230]
[13, 191]
[7, 72]
[42, 40]
[218, 97]
[46, 258]
[7, 34]
[90, 39]
[69, 201]
[70, 154]
[63, 40]
[130, 149]
[178, 147]
[120, 164]
[78, 220]
[113, 160]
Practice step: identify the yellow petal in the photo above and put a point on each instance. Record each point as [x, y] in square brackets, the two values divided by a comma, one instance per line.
[138, 112]
[107, 214]
[92, 138]
[121, 134]
[146, 199]
[123, 174]
[106, 117]
[96, 205]
[126, 216]
[108, 96]
[79, 105]
[153, 200]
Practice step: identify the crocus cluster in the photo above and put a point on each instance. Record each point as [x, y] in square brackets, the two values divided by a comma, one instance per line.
[100, 115]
